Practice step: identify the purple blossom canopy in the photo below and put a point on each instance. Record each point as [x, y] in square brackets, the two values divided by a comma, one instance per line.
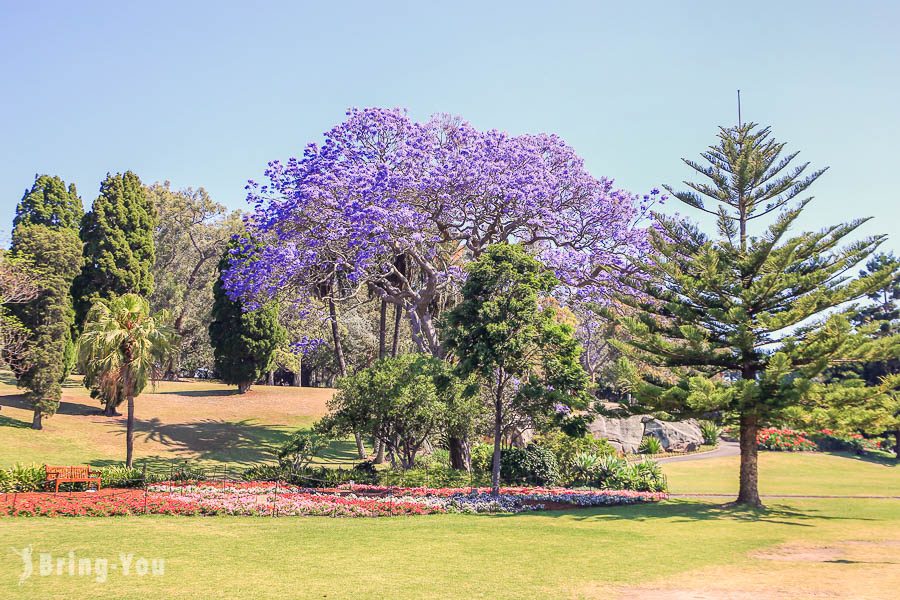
[400, 206]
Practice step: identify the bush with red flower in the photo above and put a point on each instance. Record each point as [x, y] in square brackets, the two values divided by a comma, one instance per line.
[785, 440]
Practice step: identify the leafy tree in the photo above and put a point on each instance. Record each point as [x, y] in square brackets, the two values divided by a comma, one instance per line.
[55, 256]
[120, 348]
[17, 286]
[49, 202]
[746, 323]
[403, 400]
[244, 342]
[525, 360]
[394, 208]
[118, 244]
[191, 233]
[860, 396]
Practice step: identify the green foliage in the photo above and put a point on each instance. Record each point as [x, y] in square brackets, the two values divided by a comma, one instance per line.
[711, 433]
[49, 202]
[402, 400]
[301, 449]
[524, 356]
[566, 448]
[433, 477]
[531, 465]
[650, 445]
[191, 234]
[54, 255]
[244, 342]
[714, 305]
[310, 478]
[22, 478]
[121, 476]
[121, 346]
[481, 456]
[118, 244]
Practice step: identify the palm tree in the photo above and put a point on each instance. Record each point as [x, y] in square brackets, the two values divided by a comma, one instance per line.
[120, 348]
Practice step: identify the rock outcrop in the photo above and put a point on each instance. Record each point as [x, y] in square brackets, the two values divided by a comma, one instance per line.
[626, 434]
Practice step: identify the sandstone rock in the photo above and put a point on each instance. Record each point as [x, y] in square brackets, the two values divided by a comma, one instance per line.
[675, 436]
[623, 434]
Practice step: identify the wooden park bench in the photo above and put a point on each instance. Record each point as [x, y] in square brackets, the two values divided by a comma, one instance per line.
[60, 475]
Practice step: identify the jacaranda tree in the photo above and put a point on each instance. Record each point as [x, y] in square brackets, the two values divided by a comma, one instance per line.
[398, 207]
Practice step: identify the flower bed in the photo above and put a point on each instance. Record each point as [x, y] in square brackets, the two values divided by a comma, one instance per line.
[787, 440]
[265, 499]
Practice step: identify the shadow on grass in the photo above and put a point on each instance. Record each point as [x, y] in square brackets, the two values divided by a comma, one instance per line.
[682, 511]
[65, 407]
[15, 423]
[199, 393]
[887, 461]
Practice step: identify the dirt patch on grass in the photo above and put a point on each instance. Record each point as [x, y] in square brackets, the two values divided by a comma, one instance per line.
[858, 569]
[801, 554]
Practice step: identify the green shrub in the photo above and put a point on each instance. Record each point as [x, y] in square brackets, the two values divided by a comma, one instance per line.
[565, 448]
[531, 465]
[651, 445]
[584, 468]
[436, 477]
[439, 457]
[22, 478]
[310, 478]
[120, 476]
[711, 433]
[482, 455]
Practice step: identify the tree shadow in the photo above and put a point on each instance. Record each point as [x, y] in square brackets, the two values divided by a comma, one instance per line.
[682, 511]
[15, 423]
[243, 441]
[887, 461]
[199, 393]
[65, 407]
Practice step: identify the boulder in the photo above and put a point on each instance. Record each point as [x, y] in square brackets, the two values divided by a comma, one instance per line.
[675, 436]
[623, 434]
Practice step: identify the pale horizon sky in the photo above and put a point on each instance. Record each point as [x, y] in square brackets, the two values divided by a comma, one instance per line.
[204, 94]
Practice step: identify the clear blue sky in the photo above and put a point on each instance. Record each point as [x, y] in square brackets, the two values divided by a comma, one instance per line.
[204, 93]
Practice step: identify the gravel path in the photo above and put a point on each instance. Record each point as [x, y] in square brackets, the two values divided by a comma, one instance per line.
[724, 449]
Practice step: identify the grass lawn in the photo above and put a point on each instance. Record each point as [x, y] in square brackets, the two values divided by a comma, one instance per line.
[677, 549]
[803, 473]
[203, 421]
[684, 548]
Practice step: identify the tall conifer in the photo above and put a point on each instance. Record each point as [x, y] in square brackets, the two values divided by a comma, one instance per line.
[748, 319]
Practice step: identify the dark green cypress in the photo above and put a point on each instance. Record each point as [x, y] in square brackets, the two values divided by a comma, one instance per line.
[244, 343]
[55, 256]
[50, 203]
[118, 244]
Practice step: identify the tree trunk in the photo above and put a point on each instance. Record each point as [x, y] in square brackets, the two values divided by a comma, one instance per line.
[36, 422]
[270, 378]
[109, 409]
[495, 463]
[129, 433]
[336, 338]
[382, 330]
[398, 317]
[749, 489]
[897, 443]
[460, 457]
[360, 448]
[244, 387]
[342, 365]
[379, 451]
